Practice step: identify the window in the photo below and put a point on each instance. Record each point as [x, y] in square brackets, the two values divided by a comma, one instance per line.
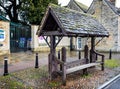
[79, 43]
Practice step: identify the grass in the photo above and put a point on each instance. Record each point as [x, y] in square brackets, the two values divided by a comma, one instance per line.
[112, 63]
[38, 79]
[25, 79]
[86, 75]
[53, 84]
[7, 82]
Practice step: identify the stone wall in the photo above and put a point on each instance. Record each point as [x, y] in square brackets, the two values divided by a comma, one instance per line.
[109, 20]
[39, 44]
[4, 38]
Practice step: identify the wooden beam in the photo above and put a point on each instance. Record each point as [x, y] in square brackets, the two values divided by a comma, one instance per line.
[46, 39]
[92, 55]
[55, 33]
[77, 68]
[58, 22]
[59, 39]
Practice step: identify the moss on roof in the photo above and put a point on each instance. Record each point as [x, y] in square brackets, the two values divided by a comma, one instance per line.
[76, 22]
[84, 7]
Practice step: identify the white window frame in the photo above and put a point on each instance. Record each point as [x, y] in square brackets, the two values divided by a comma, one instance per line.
[79, 43]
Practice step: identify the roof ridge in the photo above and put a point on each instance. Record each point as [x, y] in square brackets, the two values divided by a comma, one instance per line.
[71, 10]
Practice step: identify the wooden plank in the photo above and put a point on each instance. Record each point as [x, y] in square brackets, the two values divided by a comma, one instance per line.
[74, 63]
[76, 68]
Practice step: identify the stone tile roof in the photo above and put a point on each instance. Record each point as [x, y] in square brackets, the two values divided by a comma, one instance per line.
[112, 6]
[82, 6]
[74, 22]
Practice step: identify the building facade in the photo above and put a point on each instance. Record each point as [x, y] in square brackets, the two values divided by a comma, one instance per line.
[108, 14]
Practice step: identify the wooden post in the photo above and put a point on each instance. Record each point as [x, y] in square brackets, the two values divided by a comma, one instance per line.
[79, 56]
[59, 54]
[5, 66]
[110, 54]
[49, 67]
[86, 58]
[86, 53]
[64, 65]
[102, 64]
[36, 61]
[96, 57]
[52, 63]
[92, 55]
[71, 43]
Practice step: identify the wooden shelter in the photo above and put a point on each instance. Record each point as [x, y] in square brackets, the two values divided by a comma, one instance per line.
[59, 22]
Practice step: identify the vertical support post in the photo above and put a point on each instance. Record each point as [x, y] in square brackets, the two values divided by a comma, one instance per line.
[86, 53]
[102, 64]
[79, 56]
[36, 61]
[49, 66]
[64, 65]
[96, 57]
[52, 63]
[86, 58]
[92, 55]
[110, 54]
[5, 66]
[63, 54]
[59, 54]
[71, 43]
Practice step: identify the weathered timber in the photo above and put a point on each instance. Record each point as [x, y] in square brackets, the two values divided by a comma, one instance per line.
[53, 63]
[75, 63]
[92, 55]
[80, 67]
[86, 58]
[59, 21]
[110, 54]
[86, 49]
[102, 59]
[79, 56]
[59, 54]
[64, 65]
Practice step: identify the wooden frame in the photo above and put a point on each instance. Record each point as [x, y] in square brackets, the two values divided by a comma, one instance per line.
[56, 24]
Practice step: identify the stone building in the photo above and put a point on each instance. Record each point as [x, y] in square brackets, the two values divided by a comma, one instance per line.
[14, 37]
[4, 36]
[77, 43]
[108, 14]
[75, 5]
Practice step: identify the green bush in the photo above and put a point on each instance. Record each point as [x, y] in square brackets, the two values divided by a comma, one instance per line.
[112, 63]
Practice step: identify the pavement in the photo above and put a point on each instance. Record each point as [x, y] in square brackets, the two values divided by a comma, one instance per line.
[113, 83]
[23, 60]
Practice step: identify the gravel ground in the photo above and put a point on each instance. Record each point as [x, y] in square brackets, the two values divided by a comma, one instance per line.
[38, 79]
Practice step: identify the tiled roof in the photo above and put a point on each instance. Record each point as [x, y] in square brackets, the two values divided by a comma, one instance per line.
[74, 22]
[112, 6]
[82, 6]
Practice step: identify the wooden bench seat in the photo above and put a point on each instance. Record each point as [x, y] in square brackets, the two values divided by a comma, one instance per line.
[82, 64]
[80, 67]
